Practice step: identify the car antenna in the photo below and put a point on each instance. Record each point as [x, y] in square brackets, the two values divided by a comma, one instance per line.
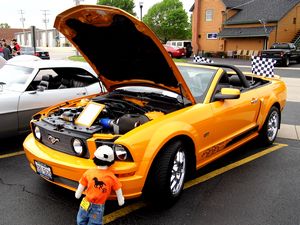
[181, 92]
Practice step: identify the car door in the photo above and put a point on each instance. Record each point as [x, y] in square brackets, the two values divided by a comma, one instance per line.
[36, 98]
[234, 117]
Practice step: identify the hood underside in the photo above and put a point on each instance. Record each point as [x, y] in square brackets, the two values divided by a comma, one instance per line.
[121, 49]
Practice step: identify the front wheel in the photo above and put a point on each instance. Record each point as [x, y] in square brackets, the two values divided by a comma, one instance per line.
[168, 174]
[271, 126]
[287, 62]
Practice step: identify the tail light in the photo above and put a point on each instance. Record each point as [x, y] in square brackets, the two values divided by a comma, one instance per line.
[36, 54]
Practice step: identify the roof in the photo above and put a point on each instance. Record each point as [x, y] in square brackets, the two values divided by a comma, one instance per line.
[53, 64]
[254, 10]
[245, 32]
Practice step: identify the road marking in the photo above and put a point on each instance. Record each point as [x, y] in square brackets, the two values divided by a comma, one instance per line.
[12, 154]
[140, 204]
[232, 166]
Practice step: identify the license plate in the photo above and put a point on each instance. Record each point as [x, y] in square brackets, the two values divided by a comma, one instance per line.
[43, 170]
[43, 54]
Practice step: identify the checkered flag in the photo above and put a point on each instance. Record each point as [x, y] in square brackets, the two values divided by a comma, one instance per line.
[263, 66]
[199, 59]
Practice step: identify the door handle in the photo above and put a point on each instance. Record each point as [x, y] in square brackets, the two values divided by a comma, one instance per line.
[254, 100]
[82, 93]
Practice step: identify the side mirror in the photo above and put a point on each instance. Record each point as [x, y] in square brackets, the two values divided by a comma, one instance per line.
[228, 93]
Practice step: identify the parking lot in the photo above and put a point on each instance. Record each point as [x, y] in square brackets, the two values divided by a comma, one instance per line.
[251, 185]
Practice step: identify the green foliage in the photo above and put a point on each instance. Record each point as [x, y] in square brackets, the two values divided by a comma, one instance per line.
[127, 5]
[168, 20]
[4, 25]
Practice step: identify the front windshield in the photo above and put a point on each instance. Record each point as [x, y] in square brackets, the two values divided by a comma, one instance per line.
[14, 77]
[198, 80]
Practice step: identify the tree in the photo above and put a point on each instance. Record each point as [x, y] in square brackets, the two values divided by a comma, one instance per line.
[127, 5]
[4, 25]
[168, 20]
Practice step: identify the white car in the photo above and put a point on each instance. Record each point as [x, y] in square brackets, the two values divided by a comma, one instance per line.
[2, 61]
[26, 87]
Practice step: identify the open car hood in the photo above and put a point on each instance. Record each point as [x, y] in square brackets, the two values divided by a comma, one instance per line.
[121, 49]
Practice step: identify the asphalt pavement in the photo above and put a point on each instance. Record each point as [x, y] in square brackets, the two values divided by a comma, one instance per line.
[250, 186]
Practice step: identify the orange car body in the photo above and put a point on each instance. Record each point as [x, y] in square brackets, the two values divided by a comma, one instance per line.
[210, 128]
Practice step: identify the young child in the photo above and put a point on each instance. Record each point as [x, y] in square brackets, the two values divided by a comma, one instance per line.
[98, 183]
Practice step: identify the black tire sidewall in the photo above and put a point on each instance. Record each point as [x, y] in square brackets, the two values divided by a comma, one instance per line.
[161, 174]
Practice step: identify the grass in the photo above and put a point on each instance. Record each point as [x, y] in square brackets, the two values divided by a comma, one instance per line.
[81, 59]
[77, 58]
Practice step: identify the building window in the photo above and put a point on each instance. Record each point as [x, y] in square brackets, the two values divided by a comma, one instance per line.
[209, 15]
[212, 36]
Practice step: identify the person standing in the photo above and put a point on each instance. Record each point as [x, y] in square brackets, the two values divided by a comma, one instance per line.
[6, 52]
[3, 41]
[16, 47]
[98, 183]
[1, 50]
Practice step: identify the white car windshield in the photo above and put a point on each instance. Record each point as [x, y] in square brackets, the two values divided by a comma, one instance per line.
[14, 77]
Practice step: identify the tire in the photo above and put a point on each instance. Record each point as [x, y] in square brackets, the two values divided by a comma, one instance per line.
[271, 126]
[168, 174]
[287, 62]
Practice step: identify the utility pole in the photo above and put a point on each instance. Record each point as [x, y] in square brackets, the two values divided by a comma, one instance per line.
[45, 21]
[22, 19]
[77, 2]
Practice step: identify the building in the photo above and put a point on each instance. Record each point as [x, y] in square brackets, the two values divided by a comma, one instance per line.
[43, 38]
[230, 25]
[9, 33]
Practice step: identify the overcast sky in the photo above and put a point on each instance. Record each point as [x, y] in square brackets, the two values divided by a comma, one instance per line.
[34, 10]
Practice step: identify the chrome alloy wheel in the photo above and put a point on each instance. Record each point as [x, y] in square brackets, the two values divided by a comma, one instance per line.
[178, 172]
[273, 124]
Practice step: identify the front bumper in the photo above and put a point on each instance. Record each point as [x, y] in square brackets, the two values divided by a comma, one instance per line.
[68, 169]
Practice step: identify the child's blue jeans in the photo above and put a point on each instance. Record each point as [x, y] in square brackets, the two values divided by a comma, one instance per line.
[93, 216]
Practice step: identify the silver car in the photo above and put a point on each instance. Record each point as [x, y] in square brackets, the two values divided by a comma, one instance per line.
[26, 87]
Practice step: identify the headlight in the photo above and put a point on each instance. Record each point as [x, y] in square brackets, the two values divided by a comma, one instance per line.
[78, 147]
[37, 133]
[121, 152]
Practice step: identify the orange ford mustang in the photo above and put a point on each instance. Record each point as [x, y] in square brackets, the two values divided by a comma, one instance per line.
[163, 120]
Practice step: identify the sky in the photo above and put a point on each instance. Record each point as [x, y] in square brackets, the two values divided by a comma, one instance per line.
[34, 10]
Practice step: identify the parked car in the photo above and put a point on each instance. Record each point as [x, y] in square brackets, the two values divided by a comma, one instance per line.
[283, 53]
[187, 44]
[2, 61]
[26, 87]
[38, 52]
[175, 52]
[162, 120]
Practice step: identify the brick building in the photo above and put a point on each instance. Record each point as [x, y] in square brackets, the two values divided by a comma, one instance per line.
[229, 25]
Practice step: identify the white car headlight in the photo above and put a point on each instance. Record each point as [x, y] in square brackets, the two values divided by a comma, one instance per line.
[120, 152]
[78, 147]
[37, 133]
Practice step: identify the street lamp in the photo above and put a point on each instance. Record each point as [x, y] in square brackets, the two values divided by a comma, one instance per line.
[141, 3]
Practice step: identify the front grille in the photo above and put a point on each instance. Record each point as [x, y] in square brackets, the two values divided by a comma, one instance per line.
[60, 140]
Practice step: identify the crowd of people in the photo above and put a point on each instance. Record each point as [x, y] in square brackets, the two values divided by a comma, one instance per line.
[7, 51]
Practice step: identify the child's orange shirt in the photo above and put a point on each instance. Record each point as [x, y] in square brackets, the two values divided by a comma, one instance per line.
[99, 184]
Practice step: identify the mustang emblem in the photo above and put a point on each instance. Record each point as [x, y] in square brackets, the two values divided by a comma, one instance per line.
[52, 139]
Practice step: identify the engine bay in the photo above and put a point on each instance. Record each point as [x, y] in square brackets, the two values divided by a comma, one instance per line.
[121, 112]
